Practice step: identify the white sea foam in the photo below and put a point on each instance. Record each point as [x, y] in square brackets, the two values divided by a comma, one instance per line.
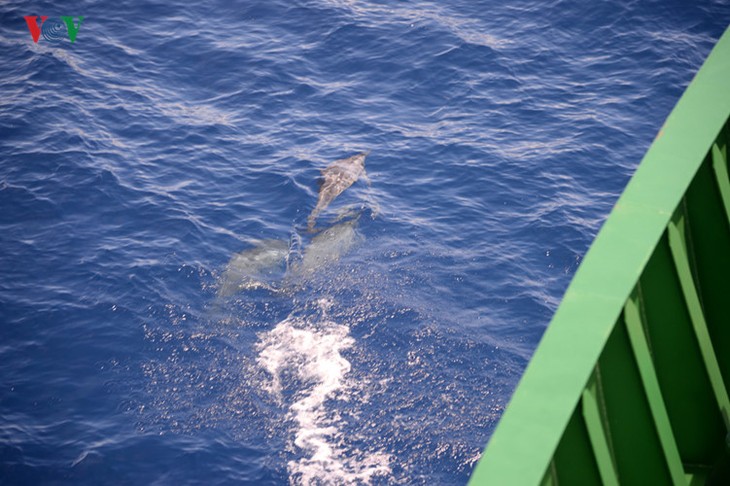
[309, 352]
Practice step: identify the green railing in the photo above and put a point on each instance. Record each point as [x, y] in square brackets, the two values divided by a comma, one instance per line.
[629, 384]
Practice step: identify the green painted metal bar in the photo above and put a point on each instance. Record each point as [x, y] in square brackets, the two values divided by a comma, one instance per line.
[550, 478]
[719, 165]
[595, 423]
[681, 261]
[522, 447]
[640, 347]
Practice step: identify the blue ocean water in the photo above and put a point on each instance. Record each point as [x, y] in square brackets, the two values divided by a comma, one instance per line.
[169, 137]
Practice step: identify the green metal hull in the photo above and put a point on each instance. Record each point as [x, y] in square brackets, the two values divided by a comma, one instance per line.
[629, 384]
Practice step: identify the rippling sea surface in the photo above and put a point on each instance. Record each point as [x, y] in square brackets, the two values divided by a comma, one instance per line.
[172, 138]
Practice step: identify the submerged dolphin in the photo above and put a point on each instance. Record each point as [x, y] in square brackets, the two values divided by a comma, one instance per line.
[254, 268]
[327, 247]
[263, 266]
[340, 175]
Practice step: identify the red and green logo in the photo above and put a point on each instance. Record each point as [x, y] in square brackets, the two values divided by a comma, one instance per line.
[53, 30]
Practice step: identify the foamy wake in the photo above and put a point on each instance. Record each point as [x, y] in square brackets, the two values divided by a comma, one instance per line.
[310, 354]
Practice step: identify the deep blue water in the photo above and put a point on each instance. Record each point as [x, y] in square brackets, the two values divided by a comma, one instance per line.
[136, 162]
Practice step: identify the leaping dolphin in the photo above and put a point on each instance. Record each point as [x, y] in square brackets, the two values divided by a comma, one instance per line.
[340, 175]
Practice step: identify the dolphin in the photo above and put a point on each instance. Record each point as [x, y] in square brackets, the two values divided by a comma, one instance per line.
[337, 177]
[262, 266]
[254, 268]
[327, 247]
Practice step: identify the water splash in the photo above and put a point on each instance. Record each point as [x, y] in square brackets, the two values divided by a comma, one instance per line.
[294, 257]
[309, 352]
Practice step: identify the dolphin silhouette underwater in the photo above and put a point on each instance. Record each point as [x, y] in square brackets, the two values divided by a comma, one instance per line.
[337, 177]
[254, 268]
[262, 266]
[327, 247]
